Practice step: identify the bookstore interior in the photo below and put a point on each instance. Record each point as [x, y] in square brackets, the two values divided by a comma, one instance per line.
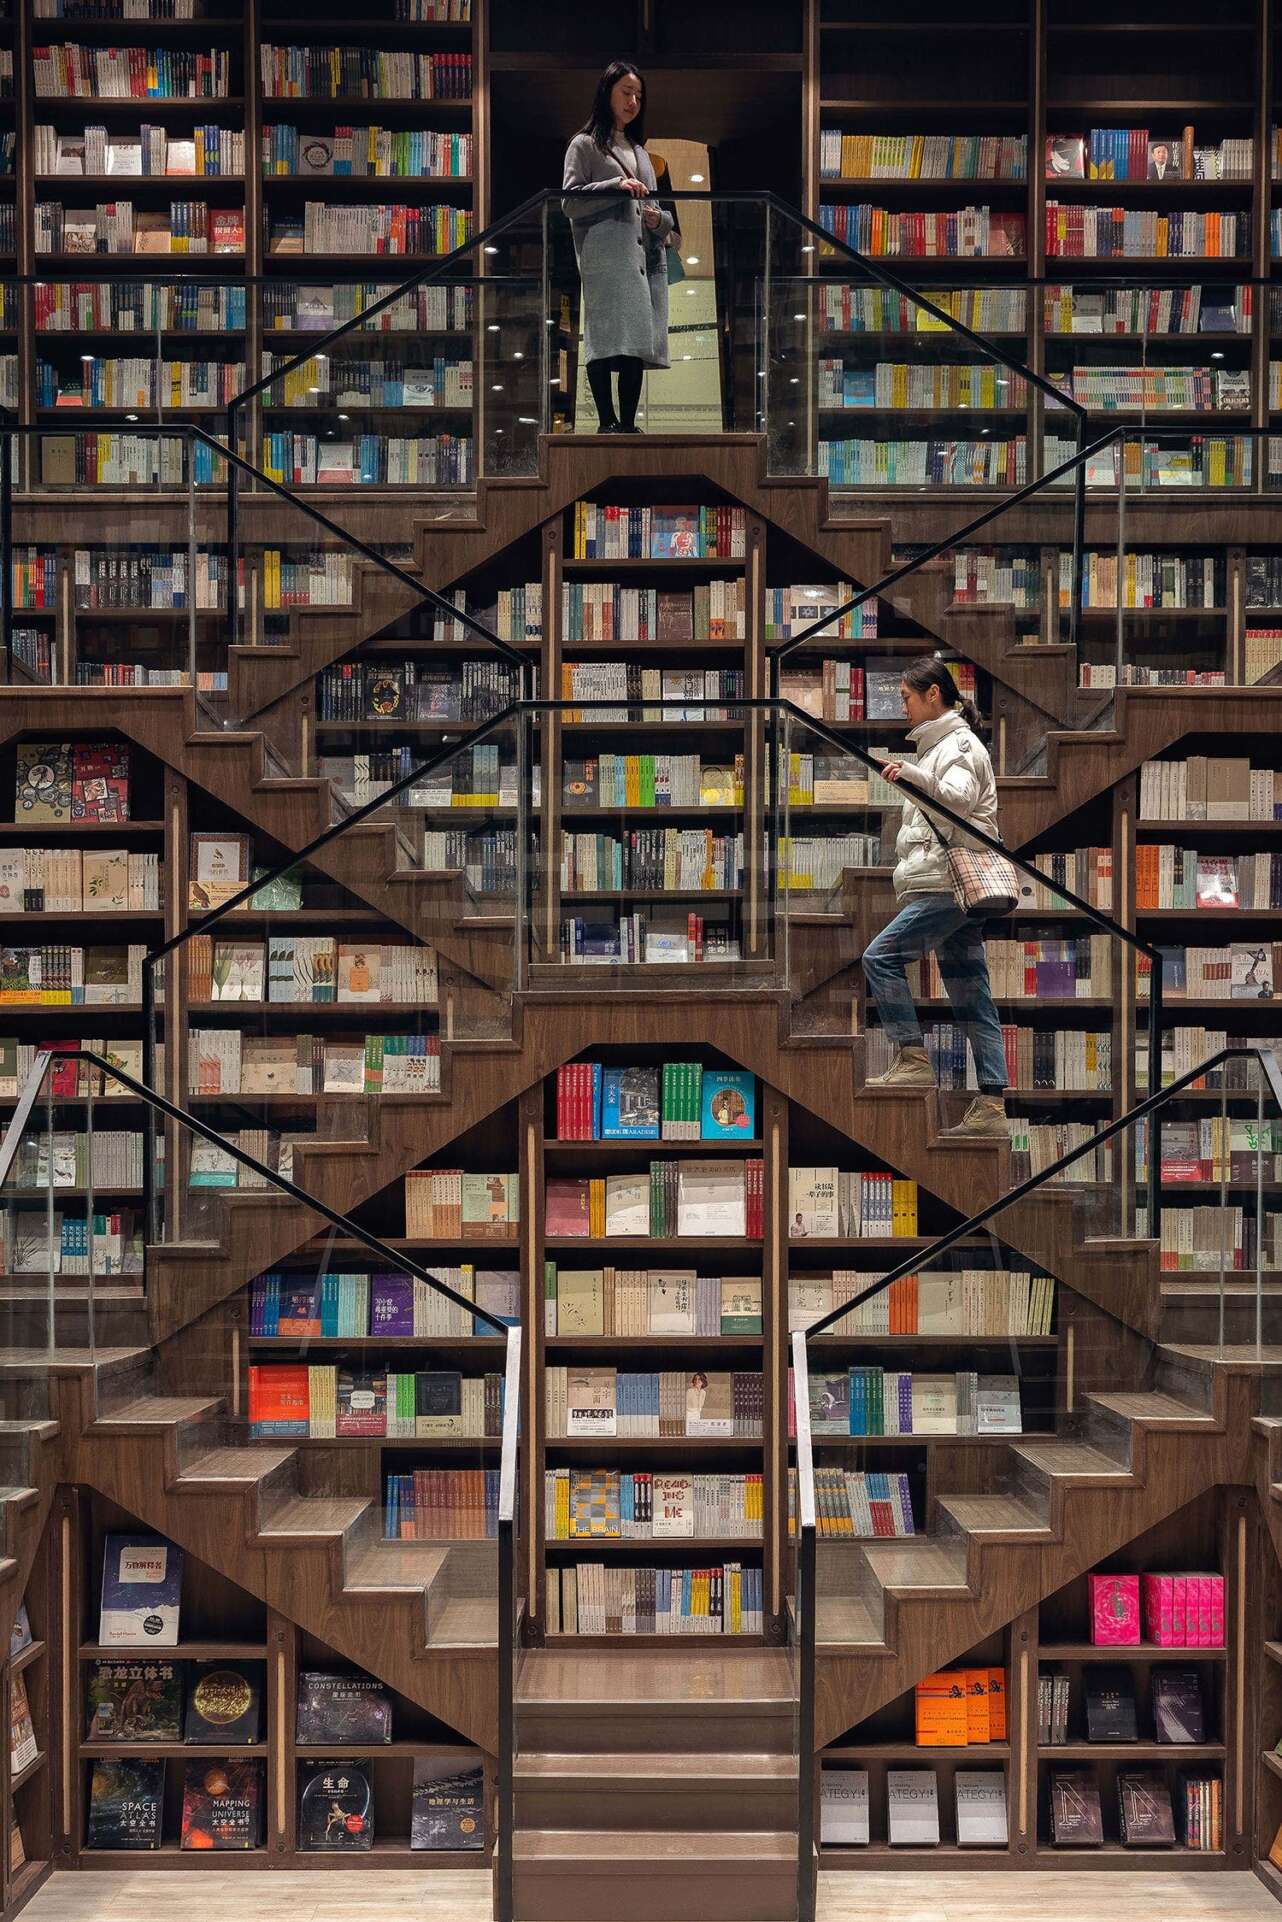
[897, 1325]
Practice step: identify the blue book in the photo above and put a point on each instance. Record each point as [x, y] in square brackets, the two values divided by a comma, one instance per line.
[142, 1579]
[329, 1305]
[729, 1108]
[629, 1104]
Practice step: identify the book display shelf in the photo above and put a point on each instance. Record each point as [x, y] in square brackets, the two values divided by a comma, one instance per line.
[28, 1763]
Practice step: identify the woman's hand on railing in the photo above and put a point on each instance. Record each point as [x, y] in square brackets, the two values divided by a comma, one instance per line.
[628, 185]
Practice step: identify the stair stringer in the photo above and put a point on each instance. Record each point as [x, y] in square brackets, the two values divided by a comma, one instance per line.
[1005, 1578]
[34, 1452]
[1266, 1466]
[383, 1633]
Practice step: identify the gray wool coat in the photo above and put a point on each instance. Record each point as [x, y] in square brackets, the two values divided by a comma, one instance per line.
[622, 262]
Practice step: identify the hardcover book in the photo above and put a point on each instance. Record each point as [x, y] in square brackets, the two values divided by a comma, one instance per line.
[912, 1808]
[1110, 1705]
[1144, 1807]
[1178, 1714]
[942, 1718]
[44, 780]
[222, 1805]
[1115, 1610]
[843, 1806]
[141, 1592]
[981, 1808]
[1076, 1821]
[133, 1702]
[336, 1807]
[448, 1810]
[224, 1702]
[342, 1708]
[99, 781]
[126, 1801]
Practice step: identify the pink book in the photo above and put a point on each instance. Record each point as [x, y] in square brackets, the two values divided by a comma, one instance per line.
[1202, 1637]
[1157, 1590]
[1217, 1610]
[1179, 1611]
[1115, 1610]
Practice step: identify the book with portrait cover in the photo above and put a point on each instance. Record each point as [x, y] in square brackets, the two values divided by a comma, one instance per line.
[135, 1701]
[222, 1805]
[335, 1807]
[126, 1803]
[224, 1702]
[141, 1592]
[449, 1806]
[342, 1708]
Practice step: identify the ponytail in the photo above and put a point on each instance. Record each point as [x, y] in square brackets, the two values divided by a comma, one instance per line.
[929, 671]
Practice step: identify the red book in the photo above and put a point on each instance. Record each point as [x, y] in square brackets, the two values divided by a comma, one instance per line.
[1115, 1610]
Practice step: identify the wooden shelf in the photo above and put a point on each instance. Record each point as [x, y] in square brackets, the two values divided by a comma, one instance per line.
[26, 1656]
[1127, 1652]
[180, 1652]
[1132, 1751]
[915, 1752]
[654, 1544]
[397, 1343]
[608, 1150]
[29, 1773]
[106, 1750]
[657, 1245]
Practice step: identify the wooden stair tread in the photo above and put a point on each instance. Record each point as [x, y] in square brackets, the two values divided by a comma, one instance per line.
[465, 1621]
[1061, 1456]
[844, 1618]
[918, 1564]
[246, 1464]
[1152, 1405]
[314, 1515]
[407, 1565]
[993, 1514]
[650, 1768]
[653, 1848]
[730, 1678]
[157, 1411]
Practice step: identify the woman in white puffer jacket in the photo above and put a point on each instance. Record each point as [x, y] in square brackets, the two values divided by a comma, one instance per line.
[951, 766]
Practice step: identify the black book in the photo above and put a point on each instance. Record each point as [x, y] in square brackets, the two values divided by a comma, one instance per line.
[1178, 1715]
[385, 693]
[1144, 1807]
[1076, 1821]
[224, 1702]
[126, 1802]
[222, 1805]
[449, 1809]
[342, 1708]
[134, 1701]
[1110, 1705]
[336, 1807]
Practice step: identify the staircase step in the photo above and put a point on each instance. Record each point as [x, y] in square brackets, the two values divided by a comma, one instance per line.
[1002, 1517]
[315, 1518]
[924, 1566]
[729, 1875]
[688, 1703]
[640, 1789]
[406, 1566]
[1061, 1456]
[143, 1414]
[234, 1467]
[1152, 1405]
[846, 1622]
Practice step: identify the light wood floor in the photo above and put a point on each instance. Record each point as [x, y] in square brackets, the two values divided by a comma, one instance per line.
[347, 1896]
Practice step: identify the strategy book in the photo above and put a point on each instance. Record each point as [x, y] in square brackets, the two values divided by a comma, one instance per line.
[1178, 1713]
[1110, 1704]
[342, 1708]
[224, 1702]
[1146, 1818]
[222, 1805]
[981, 1808]
[843, 1806]
[133, 1701]
[1076, 1821]
[912, 1808]
[126, 1804]
[141, 1592]
[335, 1807]
[448, 1809]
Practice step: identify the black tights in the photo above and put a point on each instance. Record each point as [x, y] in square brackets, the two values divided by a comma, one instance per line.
[630, 371]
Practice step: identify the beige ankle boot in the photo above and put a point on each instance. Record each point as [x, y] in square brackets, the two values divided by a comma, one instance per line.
[986, 1115]
[910, 1069]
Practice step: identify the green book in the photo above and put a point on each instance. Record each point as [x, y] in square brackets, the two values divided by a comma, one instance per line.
[549, 1297]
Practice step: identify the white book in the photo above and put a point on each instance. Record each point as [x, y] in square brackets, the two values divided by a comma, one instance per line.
[843, 1806]
[981, 1807]
[672, 1303]
[673, 1499]
[710, 1198]
[627, 1205]
[912, 1807]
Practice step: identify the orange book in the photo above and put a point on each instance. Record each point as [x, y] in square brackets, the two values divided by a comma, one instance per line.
[942, 1717]
[279, 1403]
[996, 1704]
[978, 1728]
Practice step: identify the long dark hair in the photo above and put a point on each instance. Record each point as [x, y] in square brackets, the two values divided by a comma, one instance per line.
[600, 122]
[927, 672]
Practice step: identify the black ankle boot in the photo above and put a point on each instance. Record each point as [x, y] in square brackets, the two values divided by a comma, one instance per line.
[609, 427]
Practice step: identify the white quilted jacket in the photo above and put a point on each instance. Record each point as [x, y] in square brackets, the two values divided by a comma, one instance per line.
[951, 766]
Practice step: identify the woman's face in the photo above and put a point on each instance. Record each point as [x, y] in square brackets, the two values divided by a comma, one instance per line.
[625, 99]
[920, 707]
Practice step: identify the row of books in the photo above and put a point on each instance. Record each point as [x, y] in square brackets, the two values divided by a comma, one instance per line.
[470, 690]
[131, 674]
[1264, 580]
[178, 1701]
[441, 1505]
[370, 152]
[125, 459]
[624, 1302]
[657, 936]
[1135, 233]
[109, 1158]
[395, 229]
[1170, 877]
[1108, 1706]
[1086, 872]
[960, 1708]
[311, 968]
[790, 611]
[486, 857]
[471, 779]
[321, 72]
[916, 156]
[118, 227]
[79, 880]
[130, 73]
[1184, 1048]
[1237, 971]
[1077, 1058]
[638, 781]
[610, 611]
[856, 1504]
[826, 1202]
[108, 1242]
[54, 976]
[1131, 153]
[885, 1401]
[605, 1504]
[1210, 1240]
[1154, 389]
[1106, 674]
[1148, 310]
[912, 1807]
[139, 382]
[119, 306]
[1204, 460]
[370, 460]
[316, 309]
[70, 1080]
[897, 385]
[151, 153]
[938, 1301]
[609, 1403]
[689, 860]
[225, 1061]
[1039, 970]
[676, 1101]
[151, 577]
[686, 694]
[392, 382]
[290, 1400]
[592, 1599]
[673, 1199]
[1216, 1148]
[602, 532]
[926, 463]
[445, 1203]
[961, 233]
[1210, 788]
[1146, 1810]
[299, 1307]
[1146, 579]
[840, 692]
[851, 307]
[1036, 1145]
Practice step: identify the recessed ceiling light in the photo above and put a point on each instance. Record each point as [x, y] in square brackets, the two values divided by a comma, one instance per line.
[493, 327]
[518, 356]
[692, 260]
[497, 388]
[697, 179]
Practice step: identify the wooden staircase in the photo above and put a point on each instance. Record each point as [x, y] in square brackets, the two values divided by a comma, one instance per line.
[660, 1783]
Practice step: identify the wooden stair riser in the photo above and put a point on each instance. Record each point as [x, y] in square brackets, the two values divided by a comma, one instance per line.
[1196, 1319]
[662, 1727]
[115, 1324]
[715, 1890]
[682, 1802]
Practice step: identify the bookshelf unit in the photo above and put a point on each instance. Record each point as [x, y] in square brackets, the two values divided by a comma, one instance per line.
[28, 1794]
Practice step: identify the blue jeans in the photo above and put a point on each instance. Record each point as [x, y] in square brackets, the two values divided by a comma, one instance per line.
[934, 921]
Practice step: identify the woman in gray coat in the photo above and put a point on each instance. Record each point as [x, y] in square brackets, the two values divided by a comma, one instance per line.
[620, 237]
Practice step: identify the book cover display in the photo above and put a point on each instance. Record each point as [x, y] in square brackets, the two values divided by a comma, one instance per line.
[224, 1703]
[133, 1702]
[141, 1592]
[449, 1806]
[843, 1807]
[336, 1807]
[1115, 1610]
[126, 1804]
[23, 1746]
[342, 1708]
[222, 1805]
